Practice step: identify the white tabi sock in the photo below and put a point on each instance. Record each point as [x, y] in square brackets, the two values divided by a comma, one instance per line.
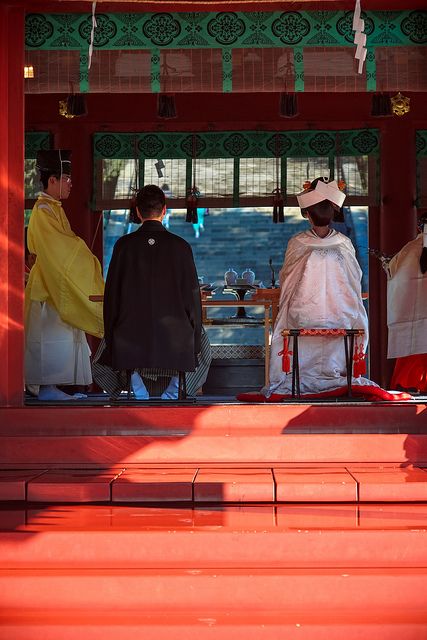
[171, 393]
[138, 387]
[51, 393]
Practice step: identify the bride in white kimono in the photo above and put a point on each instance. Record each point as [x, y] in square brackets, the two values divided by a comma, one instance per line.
[320, 287]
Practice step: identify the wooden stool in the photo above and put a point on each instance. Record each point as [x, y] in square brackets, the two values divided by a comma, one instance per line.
[182, 386]
[347, 334]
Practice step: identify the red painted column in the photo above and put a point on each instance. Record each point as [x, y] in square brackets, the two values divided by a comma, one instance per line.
[398, 183]
[73, 135]
[398, 216]
[85, 222]
[12, 204]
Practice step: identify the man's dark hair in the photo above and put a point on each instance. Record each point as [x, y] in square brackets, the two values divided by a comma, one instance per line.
[44, 177]
[321, 213]
[53, 162]
[150, 201]
[27, 251]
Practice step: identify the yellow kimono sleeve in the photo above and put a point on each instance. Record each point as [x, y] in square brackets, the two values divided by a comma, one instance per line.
[66, 272]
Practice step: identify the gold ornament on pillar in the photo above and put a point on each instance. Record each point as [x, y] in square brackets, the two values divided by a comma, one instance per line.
[63, 111]
[400, 104]
[73, 106]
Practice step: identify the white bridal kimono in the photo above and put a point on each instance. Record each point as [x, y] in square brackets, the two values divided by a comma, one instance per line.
[320, 287]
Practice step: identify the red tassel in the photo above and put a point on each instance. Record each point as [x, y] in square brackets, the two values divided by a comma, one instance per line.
[285, 353]
[192, 208]
[359, 361]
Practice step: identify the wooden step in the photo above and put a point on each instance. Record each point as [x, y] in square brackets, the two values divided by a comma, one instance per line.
[332, 433]
[231, 445]
[232, 483]
[318, 571]
[388, 592]
[27, 624]
[216, 418]
[304, 536]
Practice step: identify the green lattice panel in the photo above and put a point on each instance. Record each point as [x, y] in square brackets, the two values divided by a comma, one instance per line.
[421, 143]
[35, 140]
[236, 144]
[222, 30]
[421, 150]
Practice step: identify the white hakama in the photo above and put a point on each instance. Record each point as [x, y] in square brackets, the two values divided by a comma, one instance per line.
[55, 352]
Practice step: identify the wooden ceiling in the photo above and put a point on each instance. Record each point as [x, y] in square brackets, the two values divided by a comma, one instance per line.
[64, 6]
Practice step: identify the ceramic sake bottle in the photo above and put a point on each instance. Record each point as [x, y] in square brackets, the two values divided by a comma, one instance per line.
[248, 276]
[230, 277]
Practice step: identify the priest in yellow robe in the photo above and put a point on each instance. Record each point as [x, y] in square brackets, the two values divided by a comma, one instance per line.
[58, 312]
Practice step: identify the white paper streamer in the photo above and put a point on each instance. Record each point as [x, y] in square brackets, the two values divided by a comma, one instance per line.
[356, 16]
[92, 35]
[359, 36]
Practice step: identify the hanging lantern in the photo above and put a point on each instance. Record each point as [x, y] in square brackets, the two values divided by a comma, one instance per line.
[278, 196]
[288, 105]
[166, 107]
[76, 104]
[278, 206]
[381, 105]
[194, 193]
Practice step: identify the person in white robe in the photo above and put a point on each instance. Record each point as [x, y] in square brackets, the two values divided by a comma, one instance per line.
[320, 287]
[407, 314]
[58, 311]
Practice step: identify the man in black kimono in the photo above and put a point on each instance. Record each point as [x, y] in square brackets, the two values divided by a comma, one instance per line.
[152, 306]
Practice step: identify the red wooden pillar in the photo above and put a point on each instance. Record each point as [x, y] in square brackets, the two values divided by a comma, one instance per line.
[85, 222]
[74, 136]
[398, 183]
[377, 339]
[12, 204]
[398, 216]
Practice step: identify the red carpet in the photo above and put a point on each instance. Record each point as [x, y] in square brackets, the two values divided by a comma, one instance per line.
[369, 393]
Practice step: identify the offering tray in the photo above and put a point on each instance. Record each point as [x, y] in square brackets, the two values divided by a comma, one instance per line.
[239, 291]
[208, 288]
